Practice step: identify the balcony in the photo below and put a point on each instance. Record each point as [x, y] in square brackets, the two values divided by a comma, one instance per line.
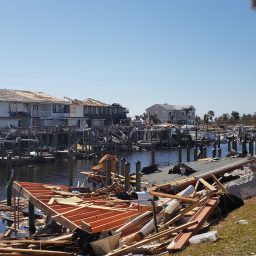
[41, 114]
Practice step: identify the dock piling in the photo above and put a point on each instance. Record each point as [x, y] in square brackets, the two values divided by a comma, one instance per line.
[127, 182]
[180, 153]
[138, 176]
[71, 167]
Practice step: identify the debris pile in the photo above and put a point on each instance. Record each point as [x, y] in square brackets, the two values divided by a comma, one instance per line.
[112, 220]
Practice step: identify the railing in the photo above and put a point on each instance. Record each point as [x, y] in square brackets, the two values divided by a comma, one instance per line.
[41, 113]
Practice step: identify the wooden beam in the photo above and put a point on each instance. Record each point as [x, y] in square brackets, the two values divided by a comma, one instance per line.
[219, 184]
[152, 238]
[186, 210]
[196, 187]
[179, 198]
[207, 185]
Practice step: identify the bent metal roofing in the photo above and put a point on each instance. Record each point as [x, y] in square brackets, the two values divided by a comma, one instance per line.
[28, 97]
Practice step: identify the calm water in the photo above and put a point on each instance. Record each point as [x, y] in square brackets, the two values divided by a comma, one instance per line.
[57, 173]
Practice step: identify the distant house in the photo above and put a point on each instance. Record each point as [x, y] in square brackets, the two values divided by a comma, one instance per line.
[99, 114]
[176, 114]
[21, 108]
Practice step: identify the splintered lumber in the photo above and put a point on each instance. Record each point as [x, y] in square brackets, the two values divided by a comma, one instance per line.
[186, 210]
[174, 204]
[207, 185]
[196, 187]
[152, 238]
[177, 197]
[200, 217]
[219, 184]
[35, 252]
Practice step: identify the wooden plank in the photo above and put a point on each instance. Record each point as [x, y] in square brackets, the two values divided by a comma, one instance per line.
[195, 190]
[152, 238]
[219, 184]
[207, 185]
[179, 198]
[200, 216]
[186, 210]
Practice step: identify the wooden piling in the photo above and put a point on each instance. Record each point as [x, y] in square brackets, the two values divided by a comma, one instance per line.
[180, 154]
[138, 176]
[244, 150]
[219, 152]
[127, 182]
[31, 218]
[204, 152]
[122, 166]
[215, 146]
[195, 153]
[235, 145]
[9, 188]
[19, 147]
[153, 158]
[218, 141]
[71, 167]
[188, 153]
[251, 147]
[213, 153]
[229, 145]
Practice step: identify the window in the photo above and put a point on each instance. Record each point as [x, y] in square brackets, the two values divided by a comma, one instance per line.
[164, 113]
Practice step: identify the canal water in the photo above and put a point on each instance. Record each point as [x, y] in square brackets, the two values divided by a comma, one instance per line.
[58, 172]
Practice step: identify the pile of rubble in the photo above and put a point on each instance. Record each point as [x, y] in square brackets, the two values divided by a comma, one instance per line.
[113, 221]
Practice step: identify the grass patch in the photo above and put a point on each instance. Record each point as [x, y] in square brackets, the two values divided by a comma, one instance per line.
[235, 239]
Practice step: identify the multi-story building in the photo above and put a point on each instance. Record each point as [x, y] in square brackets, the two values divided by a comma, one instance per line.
[100, 114]
[21, 108]
[176, 114]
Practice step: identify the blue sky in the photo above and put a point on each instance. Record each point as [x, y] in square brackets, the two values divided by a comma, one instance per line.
[133, 52]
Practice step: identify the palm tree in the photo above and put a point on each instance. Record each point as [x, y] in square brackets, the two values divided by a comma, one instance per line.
[254, 4]
[235, 116]
[211, 114]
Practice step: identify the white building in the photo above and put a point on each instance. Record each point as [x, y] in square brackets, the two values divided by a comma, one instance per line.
[25, 108]
[176, 114]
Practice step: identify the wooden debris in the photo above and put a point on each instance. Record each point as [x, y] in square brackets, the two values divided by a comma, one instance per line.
[179, 198]
[150, 239]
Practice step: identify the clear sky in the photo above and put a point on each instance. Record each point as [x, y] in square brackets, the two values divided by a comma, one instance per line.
[133, 52]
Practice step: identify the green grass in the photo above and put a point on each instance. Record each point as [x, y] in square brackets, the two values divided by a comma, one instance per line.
[235, 239]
